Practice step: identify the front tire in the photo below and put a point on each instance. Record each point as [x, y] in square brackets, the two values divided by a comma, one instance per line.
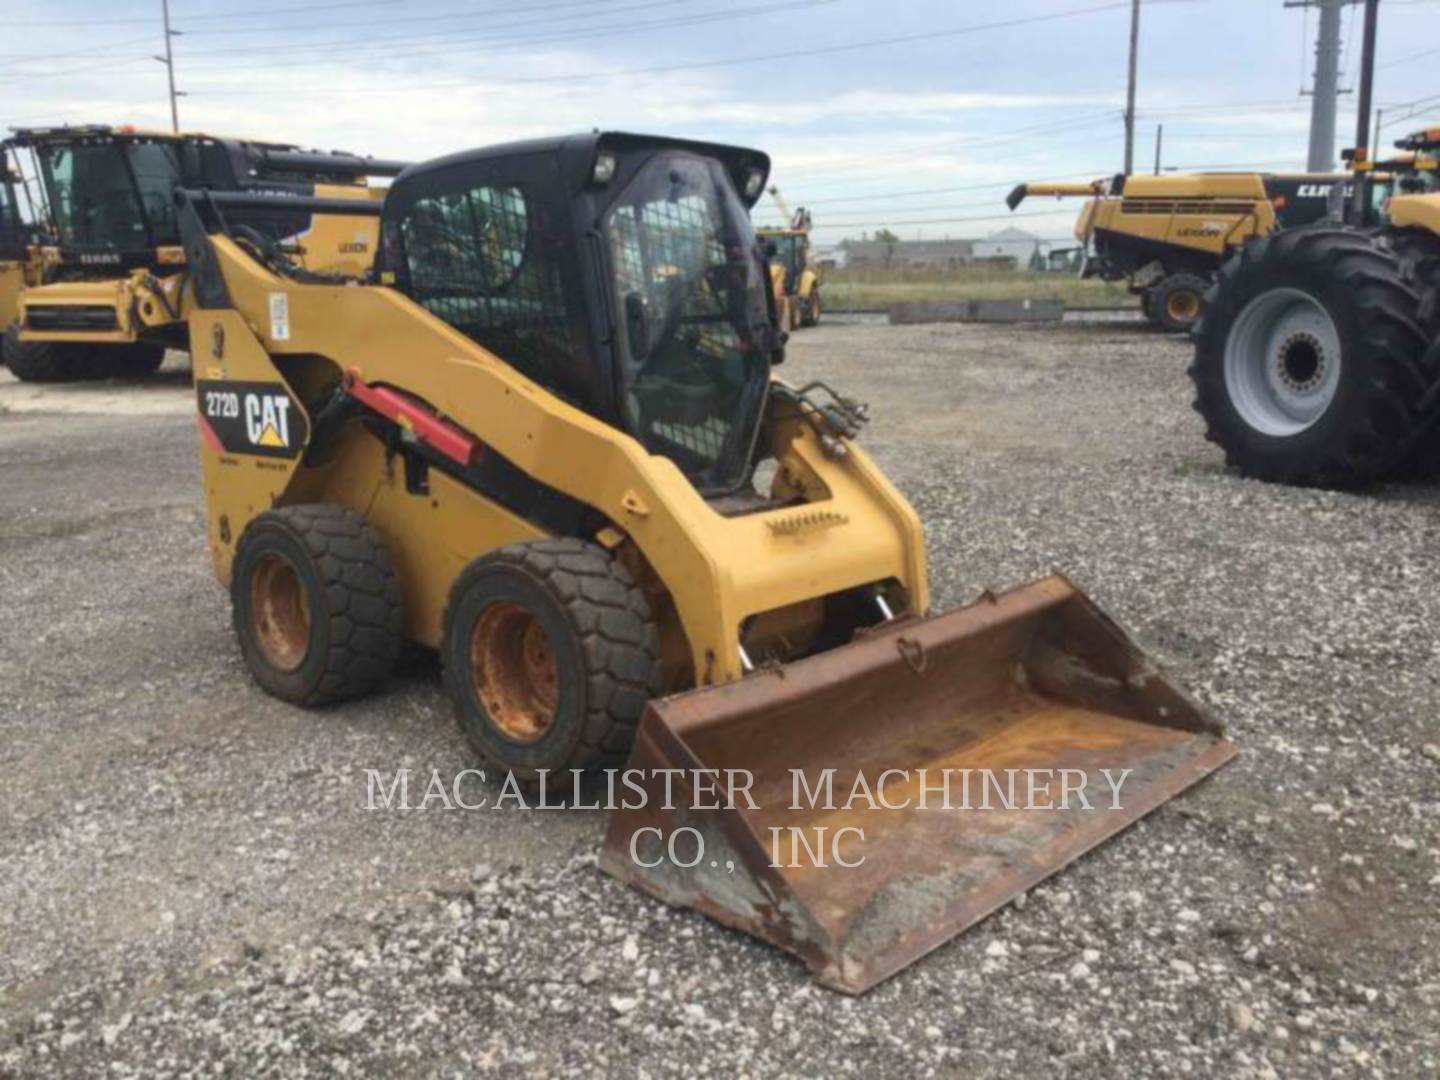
[128, 361]
[316, 604]
[46, 361]
[1310, 363]
[551, 654]
[812, 309]
[1177, 302]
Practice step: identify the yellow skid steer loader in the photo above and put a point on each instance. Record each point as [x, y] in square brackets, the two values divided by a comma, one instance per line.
[530, 438]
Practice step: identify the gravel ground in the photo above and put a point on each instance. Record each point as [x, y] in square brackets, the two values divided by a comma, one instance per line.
[190, 882]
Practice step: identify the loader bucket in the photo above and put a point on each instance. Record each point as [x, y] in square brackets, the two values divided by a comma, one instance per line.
[1037, 685]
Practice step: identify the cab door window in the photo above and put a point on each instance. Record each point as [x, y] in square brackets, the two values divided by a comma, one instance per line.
[478, 259]
[156, 172]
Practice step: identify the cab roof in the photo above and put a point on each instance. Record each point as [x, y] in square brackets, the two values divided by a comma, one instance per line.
[577, 153]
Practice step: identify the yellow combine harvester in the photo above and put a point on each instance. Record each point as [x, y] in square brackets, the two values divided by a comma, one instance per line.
[19, 255]
[1319, 360]
[532, 439]
[794, 277]
[1167, 235]
[103, 293]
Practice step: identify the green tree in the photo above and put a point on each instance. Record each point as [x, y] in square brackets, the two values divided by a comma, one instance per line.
[891, 241]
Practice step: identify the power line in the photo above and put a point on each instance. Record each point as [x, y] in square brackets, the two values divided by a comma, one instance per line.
[448, 16]
[70, 23]
[703, 64]
[23, 57]
[97, 66]
[490, 43]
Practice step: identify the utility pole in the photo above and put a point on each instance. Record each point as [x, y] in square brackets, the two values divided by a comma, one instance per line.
[1159, 144]
[1326, 92]
[169, 61]
[1367, 86]
[1130, 89]
[1367, 74]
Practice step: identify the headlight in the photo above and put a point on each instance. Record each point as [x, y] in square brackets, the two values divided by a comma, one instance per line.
[604, 168]
[753, 182]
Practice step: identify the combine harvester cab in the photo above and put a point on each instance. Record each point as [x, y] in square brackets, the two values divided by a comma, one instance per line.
[109, 291]
[892, 803]
[584, 564]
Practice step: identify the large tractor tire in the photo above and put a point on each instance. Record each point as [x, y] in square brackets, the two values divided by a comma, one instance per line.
[1311, 363]
[550, 654]
[128, 361]
[1178, 301]
[813, 309]
[46, 361]
[316, 604]
[1147, 304]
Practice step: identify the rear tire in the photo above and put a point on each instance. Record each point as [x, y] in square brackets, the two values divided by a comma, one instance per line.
[812, 309]
[1178, 302]
[1311, 362]
[1147, 304]
[316, 604]
[551, 655]
[46, 361]
[128, 361]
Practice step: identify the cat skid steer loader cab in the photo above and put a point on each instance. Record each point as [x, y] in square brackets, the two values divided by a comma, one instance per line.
[532, 439]
[109, 295]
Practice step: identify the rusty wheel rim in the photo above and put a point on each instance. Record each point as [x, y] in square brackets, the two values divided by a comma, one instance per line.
[515, 675]
[1183, 306]
[279, 612]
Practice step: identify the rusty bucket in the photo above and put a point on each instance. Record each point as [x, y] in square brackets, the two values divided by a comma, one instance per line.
[861, 807]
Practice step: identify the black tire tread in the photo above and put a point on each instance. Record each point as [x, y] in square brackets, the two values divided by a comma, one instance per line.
[1160, 296]
[1390, 310]
[46, 361]
[361, 590]
[617, 634]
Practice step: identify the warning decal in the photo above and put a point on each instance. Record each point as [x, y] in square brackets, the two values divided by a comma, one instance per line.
[261, 419]
[279, 316]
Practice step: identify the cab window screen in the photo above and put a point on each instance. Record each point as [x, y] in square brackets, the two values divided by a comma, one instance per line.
[156, 172]
[476, 259]
[93, 196]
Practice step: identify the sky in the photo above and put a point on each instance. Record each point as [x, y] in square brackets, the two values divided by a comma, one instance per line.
[912, 115]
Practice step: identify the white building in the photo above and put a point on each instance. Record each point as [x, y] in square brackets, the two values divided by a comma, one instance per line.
[1011, 243]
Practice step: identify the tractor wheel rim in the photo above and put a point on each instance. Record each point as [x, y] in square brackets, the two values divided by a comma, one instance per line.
[1183, 306]
[280, 612]
[516, 678]
[1283, 362]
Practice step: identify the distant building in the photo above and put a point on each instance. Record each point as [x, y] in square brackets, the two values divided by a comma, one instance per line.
[1015, 244]
[927, 254]
[829, 256]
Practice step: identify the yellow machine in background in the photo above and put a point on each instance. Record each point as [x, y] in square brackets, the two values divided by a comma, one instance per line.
[447, 451]
[104, 291]
[20, 256]
[794, 277]
[1167, 235]
[1319, 361]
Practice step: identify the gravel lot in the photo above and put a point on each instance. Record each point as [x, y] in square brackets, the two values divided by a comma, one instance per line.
[190, 883]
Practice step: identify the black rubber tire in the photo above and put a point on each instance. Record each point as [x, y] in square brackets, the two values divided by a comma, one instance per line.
[1147, 304]
[813, 310]
[1376, 417]
[356, 616]
[1176, 285]
[602, 635]
[128, 361]
[1419, 254]
[46, 361]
